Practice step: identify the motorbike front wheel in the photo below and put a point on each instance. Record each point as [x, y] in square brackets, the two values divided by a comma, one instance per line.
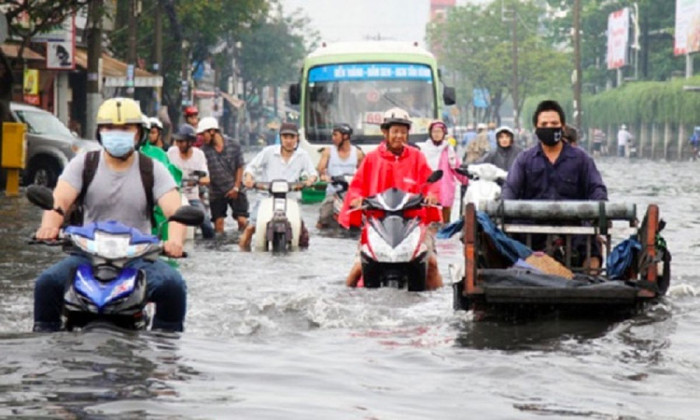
[279, 242]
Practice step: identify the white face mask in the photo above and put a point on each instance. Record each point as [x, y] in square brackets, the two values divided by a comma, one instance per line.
[117, 143]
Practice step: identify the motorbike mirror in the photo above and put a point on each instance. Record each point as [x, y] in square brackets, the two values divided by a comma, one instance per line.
[40, 196]
[188, 215]
[463, 170]
[200, 174]
[435, 176]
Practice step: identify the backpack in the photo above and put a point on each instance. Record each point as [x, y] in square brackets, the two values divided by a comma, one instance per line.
[92, 159]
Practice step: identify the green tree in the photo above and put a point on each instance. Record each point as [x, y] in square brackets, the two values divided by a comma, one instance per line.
[272, 51]
[191, 29]
[27, 19]
[476, 42]
[656, 26]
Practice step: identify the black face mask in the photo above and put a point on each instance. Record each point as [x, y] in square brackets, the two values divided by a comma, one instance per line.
[549, 135]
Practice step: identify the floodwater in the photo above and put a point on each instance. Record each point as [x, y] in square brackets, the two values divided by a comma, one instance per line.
[280, 337]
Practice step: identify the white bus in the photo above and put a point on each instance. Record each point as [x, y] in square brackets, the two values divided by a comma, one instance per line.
[355, 82]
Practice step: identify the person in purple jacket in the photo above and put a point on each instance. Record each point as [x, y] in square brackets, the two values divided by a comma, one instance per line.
[553, 169]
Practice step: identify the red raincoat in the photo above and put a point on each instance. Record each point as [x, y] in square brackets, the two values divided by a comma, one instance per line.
[381, 170]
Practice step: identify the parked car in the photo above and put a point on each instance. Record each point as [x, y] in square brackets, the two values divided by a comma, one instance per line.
[50, 145]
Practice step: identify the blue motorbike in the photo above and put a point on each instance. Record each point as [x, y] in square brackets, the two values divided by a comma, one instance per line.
[106, 290]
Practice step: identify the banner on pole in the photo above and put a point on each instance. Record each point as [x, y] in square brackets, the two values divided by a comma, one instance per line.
[687, 39]
[618, 39]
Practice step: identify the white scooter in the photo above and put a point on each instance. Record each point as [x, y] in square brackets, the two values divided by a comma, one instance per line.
[485, 180]
[278, 218]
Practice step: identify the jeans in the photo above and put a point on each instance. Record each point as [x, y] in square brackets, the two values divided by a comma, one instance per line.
[206, 226]
[164, 286]
[621, 151]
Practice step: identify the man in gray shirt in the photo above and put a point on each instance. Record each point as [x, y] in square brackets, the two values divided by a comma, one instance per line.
[115, 193]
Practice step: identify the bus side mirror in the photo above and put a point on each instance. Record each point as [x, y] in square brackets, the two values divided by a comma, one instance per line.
[448, 95]
[294, 94]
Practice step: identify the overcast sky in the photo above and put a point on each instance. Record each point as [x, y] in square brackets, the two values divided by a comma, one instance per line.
[355, 20]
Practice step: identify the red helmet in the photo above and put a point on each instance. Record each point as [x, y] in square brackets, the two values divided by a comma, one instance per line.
[191, 110]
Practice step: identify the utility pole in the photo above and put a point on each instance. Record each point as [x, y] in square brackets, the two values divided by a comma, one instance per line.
[94, 44]
[158, 53]
[577, 64]
[514, 56]
[516, 113]
[131, 50]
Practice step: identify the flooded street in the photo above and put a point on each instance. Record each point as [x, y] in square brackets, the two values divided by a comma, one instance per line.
[282, 337]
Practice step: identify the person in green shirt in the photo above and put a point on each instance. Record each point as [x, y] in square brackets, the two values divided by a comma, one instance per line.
[156, 153]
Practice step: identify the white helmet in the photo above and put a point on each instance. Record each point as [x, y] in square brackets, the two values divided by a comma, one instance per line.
[396, 116]
[207, 123]
[155, 122]
[145, 122]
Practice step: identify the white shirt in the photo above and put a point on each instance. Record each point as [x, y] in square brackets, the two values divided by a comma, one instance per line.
[196, 162]
[268, 165]
[623, 137]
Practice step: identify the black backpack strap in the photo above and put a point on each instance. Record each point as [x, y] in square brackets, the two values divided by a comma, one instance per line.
[147, 179]
[92, 159]
[76, 213]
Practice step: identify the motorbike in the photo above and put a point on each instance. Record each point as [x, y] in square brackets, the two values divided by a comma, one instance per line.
[278, 218]
[392, 251]
[328, 219]
[189, 181]
[485, 182]
[105, 290]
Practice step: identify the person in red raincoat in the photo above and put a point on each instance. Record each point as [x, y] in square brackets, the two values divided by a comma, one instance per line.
[393, 164]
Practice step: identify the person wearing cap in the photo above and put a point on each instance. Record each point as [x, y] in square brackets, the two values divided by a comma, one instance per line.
[225, 163]
[284, 161]
[624, 139]
[392, 165]
[506, 151]
[479, 146]
[116, 192]
[441, 155]
[341, 158]
[190, 159]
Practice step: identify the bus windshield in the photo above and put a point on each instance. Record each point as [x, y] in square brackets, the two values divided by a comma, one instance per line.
[358, 94]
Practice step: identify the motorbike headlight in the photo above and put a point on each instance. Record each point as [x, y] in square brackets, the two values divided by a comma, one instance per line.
[83, 243]
[115, 247]
[401, 253]
[279, 187]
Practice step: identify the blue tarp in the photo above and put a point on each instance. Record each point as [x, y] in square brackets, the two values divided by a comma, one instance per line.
[621, 257]
[508, 247]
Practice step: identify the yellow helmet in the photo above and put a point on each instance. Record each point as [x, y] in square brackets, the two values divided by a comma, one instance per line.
[119, 111]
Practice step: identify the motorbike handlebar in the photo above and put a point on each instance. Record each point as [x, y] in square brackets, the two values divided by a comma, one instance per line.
[265, 186]
[48, 242]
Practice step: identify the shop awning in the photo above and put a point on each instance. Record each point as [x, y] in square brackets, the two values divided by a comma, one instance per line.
[114, 71]
[12, 50]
